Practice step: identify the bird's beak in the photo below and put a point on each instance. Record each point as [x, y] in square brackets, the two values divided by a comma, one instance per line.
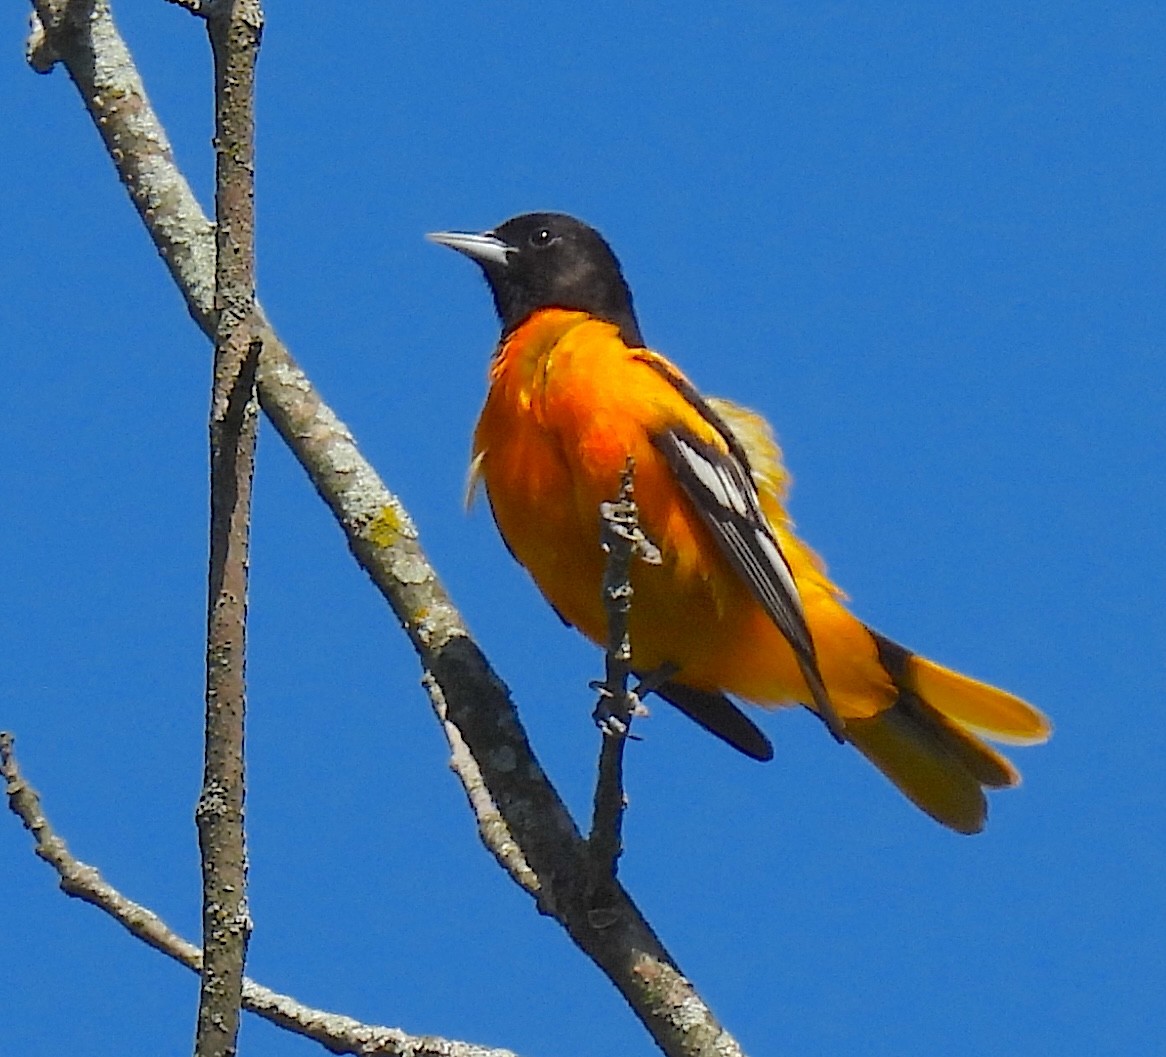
[485, 248]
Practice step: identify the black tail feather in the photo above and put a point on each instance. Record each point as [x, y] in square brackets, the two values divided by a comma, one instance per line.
[718, 715]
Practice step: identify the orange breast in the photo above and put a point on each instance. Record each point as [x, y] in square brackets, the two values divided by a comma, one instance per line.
[568, 403]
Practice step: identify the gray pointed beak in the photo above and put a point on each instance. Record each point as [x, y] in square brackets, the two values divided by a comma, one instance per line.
[485, 248]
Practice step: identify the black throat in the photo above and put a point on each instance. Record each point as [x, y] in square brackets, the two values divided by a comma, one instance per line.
[556, 261]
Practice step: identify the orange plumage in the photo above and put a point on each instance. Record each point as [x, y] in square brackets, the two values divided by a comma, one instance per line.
[573, 393]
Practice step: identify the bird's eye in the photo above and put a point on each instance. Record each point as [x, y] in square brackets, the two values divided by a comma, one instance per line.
[542, 237]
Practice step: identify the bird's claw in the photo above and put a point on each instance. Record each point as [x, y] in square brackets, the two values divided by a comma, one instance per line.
[616, 723]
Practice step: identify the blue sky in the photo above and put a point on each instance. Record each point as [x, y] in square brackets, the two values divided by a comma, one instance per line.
[927, 243]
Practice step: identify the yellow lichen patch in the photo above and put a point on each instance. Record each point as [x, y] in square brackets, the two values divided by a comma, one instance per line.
[385, 528]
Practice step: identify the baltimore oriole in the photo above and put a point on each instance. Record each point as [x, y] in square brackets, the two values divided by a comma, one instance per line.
[739, 605]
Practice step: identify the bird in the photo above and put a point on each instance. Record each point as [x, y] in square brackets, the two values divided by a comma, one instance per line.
[738, 607]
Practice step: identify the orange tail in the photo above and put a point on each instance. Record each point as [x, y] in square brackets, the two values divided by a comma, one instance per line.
[926, 742]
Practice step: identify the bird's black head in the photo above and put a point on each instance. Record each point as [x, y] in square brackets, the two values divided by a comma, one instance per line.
[549, 260]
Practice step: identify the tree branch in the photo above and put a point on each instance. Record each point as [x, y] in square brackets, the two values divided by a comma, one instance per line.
[623, 541]
[336, 1033]
[526, 822]
[234, 28]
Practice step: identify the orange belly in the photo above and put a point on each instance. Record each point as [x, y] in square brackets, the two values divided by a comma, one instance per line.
[692, 611]
[568, 405]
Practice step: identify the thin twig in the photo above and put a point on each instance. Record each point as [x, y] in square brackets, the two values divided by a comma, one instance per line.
[623, 541]
[527, 813]
[234, 28]
[336, 1033]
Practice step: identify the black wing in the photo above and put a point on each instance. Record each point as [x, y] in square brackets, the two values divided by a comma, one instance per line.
[720, 485]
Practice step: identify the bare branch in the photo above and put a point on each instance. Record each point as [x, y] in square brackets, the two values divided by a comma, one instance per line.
[234, 28]
[336, 1033]
[622, 539]
[525, 811]
[81, 36]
